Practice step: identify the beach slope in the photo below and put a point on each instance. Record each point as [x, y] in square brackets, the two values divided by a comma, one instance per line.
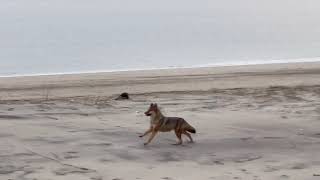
[257, 122]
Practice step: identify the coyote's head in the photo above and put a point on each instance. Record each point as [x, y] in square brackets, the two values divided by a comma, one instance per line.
[153, 110]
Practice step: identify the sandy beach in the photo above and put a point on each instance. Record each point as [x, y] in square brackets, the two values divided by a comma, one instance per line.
[258, 122]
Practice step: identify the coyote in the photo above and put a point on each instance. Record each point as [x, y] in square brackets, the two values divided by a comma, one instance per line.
[159, 122]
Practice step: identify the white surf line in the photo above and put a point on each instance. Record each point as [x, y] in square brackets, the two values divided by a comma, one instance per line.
[232, 63]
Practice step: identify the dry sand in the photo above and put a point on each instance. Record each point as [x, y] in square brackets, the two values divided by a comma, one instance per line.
[253, 122]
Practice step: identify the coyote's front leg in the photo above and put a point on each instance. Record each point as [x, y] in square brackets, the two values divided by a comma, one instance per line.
[147, 132]
[154, 132]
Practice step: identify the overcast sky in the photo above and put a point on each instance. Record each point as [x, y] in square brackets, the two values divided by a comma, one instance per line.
[44, 32]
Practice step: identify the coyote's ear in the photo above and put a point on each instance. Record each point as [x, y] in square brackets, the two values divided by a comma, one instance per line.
[151, 104]
[155, 104]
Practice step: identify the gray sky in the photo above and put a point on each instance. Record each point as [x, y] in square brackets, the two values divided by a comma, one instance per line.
[121, 33]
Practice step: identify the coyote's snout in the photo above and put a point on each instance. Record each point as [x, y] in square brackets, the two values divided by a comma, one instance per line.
[158, 122]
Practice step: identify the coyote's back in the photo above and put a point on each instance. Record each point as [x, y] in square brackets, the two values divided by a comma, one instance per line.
[176, 123]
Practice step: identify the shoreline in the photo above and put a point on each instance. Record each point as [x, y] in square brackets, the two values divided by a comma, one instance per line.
[214, 65]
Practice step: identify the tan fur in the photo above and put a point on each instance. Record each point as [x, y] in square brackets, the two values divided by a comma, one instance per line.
[161, 123]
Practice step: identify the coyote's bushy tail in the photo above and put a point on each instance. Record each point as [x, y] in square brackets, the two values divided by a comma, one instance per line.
[191, 129]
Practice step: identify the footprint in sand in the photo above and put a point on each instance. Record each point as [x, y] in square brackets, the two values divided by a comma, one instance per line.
[72, 152]
[167, 178]
[106, 160]
[9, 169]
[298, 166]
[247, 158]
[244, 171]
[12, 117]
[66, 171]
[272, 137]
[218, 162]
[53, 118]
[271, 169]
[246, 138]
[316, 135]
[96, 178]
[284, 177]
[70, 155]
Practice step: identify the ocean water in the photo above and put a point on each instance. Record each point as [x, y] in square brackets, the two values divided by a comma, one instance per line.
[55, 36]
